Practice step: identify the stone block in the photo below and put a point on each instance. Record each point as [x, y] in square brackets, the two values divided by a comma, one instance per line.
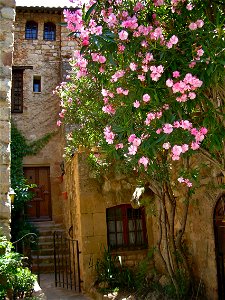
[8, 13]
[100, 224]
[87, 225]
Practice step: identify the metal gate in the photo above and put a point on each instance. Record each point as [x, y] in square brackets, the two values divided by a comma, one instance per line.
[66, 262]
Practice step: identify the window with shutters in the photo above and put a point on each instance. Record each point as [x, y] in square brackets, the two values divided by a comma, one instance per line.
[31, 30]
[126, 227]
[17, 91]
[49, 31]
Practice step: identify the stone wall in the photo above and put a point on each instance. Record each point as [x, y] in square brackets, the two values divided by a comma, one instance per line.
[84, 213]
[41, 109]
[7, 16]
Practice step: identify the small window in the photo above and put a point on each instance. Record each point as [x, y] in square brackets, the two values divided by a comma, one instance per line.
[49, 31]
[37, 84]
[17, 91]
[126, 227]
[31, 30]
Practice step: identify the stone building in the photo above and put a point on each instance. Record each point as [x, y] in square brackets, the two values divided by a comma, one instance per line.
[7, 16]
[97, 215]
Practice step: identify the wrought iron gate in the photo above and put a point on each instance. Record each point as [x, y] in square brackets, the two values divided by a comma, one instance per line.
[66, 262]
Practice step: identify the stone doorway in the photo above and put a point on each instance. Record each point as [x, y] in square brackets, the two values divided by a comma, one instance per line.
[219, 229]
[39, 208]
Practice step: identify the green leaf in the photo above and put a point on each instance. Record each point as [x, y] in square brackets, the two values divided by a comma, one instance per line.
[88, 13]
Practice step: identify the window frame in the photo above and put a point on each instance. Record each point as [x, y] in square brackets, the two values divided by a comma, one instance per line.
[38, 79]
[49, 32]
[17, 91]
[31, 33]
[136, 214]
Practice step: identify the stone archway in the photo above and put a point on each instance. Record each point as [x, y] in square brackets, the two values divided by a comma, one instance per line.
[219, 231]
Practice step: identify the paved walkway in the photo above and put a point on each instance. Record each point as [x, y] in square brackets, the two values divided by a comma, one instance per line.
[48, 291]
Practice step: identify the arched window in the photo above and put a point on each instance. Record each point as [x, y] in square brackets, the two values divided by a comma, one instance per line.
[126, 227]
[31, 30]
[49, 31]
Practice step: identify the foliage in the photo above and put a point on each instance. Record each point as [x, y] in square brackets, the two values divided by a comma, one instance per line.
[20, 148]
[112, 274]
[14, 278]
[146, 88]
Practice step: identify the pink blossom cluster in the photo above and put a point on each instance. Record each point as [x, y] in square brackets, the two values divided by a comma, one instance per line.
[135, 143]
[177, 150]
[144, 161]
[117, 75]
[185, 87]
[172, 41]
[109, 135]
[196, 25]
[152, 116]
[185, 181]
[81, 64]
[199, 53]
[109, 109]
[156, 72]
[98, 58]
[120, 90]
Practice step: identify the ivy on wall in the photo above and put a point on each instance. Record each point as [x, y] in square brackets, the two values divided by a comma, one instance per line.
[20, 148]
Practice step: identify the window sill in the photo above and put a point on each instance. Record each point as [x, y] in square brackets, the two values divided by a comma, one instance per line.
[36, 92]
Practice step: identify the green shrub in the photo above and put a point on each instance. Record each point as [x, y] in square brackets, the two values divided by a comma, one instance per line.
[15, 280]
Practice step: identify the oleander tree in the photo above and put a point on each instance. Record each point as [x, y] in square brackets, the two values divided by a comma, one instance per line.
[147, 87]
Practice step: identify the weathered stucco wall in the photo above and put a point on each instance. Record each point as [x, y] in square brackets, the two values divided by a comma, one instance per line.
[48, 60]
[7, 16]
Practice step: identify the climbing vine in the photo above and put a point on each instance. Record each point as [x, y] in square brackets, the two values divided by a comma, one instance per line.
[20, 148]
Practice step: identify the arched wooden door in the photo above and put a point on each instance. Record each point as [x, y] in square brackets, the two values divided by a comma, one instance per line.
[219, 229]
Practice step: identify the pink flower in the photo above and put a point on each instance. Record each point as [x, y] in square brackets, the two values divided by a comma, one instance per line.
[121, 48]
[200, 23]
[189, 6]
[200, 52]
[136, 104]
[109, 135]
[141, 77]
[185, 148]
[195, 146]
[132, 150]
[167, 128]
[123, 35]
[133, 66]
[131, 138]
[109, 109]
[176, 74]
[144, 161]
[192, 95]
[166, 145]
[174, 39]
[193, 26]
[203, 130]
[169, 82]
[102, 59]
[146, 98]
[119, 146]
[58, 123]
[159, 130]
[136, 142]
[176, 150]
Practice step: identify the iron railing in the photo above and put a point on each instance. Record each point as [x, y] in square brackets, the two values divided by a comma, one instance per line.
[66, 262]
[28, 246]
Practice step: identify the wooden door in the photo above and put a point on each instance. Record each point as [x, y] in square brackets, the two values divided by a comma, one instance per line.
[39, 208]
